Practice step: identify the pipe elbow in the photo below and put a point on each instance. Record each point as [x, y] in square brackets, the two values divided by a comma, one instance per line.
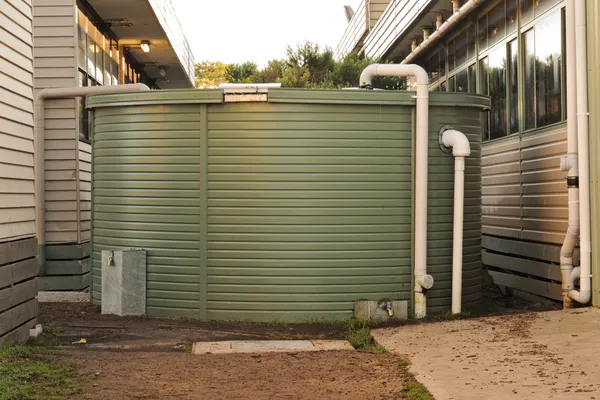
[581, 297]
[458, 142]
[366, 77]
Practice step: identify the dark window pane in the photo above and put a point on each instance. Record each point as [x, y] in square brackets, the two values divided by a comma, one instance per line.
[471, 38]
[496, 24]
[462, 81]
[472, 79]
[548, 52]
[82, 45]
[442, 87]
[434, 67]
[513, 51]
[484, 81]
[529, 52]
[461, 49]
[511, 16]
[497, 77]
[541, 6]
[82, 113]
[452, 84]
[451, 56]
[482, 33]
[442, 62]
[526, 11]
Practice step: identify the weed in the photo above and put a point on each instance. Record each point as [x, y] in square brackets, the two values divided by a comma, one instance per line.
[26, 374]
[416, 391]
[359, 336]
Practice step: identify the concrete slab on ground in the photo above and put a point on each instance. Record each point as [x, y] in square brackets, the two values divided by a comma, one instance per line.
[63, 297]
[269, 346]
[543, 355]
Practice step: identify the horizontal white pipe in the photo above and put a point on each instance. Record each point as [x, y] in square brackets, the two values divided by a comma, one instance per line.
[445, 27]
[39, 136]
[422, 280]
[459, 143]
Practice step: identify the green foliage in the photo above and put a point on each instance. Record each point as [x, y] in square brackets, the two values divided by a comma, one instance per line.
[359, 336]
[306, 66]
[25, 374]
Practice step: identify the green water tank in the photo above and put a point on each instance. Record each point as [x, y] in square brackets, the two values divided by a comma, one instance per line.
[286, 208]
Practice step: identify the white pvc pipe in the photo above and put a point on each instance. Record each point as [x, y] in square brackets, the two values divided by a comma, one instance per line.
[422, 280]
[39, 136]
[570, 162]
[584, 294]
[459, 143]
[445, 27]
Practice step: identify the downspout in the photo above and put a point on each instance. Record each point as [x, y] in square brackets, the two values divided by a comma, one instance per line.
[445, 27]
[422, 280]
[584, 272]
[570, 162]
[39, 137]
[459, 143]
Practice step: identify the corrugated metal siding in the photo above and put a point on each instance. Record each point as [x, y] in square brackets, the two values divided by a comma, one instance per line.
[56, 66]
[524, 191]
[441, 209]
[593, 36]
[146, 194]
[308, 209]
[17, 204]
[284, 210]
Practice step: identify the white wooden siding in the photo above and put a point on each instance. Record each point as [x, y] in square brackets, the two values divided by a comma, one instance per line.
[85, 191]
[17, 202]
[524, 191]
[55, 63]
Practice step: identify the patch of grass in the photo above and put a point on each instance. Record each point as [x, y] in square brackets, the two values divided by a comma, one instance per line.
[416, 391]
[359, 336]
[25, 373]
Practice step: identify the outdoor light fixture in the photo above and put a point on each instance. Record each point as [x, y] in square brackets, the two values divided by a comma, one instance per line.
[145, 45]
[162, 71]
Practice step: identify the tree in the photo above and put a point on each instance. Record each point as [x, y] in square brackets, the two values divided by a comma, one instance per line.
[308, 63]
[242, 73]
[210, 74]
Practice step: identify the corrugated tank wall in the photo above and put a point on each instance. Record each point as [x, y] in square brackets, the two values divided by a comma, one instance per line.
[441, 209]
[147, 169]
[309, 209]
[286, 210]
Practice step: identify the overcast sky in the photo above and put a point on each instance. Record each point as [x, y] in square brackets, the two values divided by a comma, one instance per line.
[235, 31]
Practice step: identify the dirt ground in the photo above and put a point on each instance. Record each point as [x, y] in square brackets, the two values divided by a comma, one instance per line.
[146, 358]
[532, 355]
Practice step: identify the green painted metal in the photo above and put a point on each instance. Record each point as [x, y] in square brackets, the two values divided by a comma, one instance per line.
[593, 37]
[283, 210]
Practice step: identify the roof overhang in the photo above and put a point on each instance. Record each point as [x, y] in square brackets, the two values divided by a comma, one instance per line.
[155, 21]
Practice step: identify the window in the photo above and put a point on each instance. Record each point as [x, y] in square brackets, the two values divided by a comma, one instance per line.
[526, 11]
[442, 62]
[496, 24]
[482, 33]
[472, 78]
[451, 56]
[497, 90]
[472, 39]
[511, 16]
[513, 78]
[462, 81]
[543, 72]
[461, 49]
[452, 84]
[434, 67]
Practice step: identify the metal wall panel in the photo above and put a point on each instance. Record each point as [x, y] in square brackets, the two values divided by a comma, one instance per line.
[146, 172]
[309, 209]
[283, 210]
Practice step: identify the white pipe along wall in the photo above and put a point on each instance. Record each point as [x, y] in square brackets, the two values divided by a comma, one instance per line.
[570, 162]
[39, 138]
[459, 143]
[584, 294]
[422, 280]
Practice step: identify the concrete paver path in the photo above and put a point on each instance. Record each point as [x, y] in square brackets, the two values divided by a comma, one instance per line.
[544, 355]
